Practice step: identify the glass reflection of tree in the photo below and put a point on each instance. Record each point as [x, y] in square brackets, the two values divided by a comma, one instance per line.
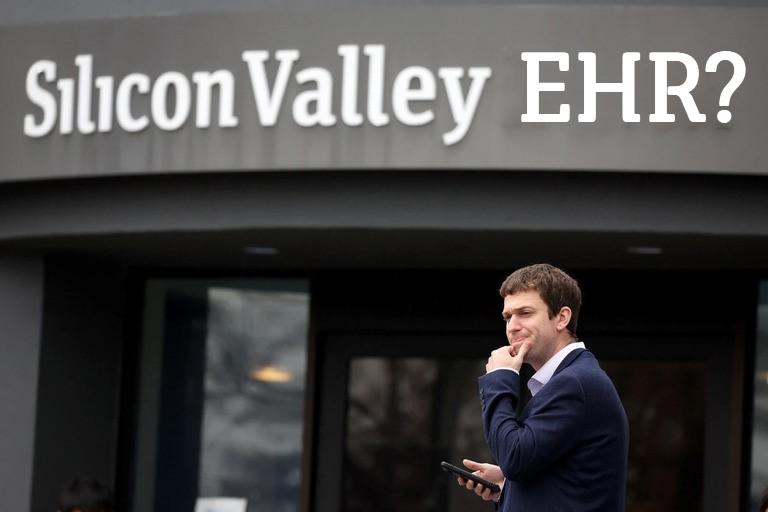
[390, 422]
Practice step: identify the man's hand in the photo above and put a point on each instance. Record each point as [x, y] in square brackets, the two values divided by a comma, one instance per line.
[508, 357]
[486, 471]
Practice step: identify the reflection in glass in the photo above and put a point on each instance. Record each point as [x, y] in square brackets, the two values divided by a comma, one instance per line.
[760, 425]
[254, 391]
[665, 404]
[405, 415]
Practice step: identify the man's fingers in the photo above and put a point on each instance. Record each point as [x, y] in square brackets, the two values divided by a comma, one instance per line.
[486, 495]
[479, 489]
[474, 466]
[461, 481]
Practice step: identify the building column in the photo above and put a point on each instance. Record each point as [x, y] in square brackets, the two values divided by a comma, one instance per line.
[21, 310]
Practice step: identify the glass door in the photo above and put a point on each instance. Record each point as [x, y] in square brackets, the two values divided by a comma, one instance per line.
[393, 407]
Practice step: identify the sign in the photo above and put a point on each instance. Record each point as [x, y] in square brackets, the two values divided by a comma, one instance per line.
[598, 88]
[220, 505]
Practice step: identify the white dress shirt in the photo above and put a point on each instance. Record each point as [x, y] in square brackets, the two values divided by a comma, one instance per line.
[539, 379]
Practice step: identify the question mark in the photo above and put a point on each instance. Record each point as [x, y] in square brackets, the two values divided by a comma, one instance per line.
[739, 71]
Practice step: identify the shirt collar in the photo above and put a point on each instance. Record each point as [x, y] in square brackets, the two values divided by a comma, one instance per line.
[541, 377]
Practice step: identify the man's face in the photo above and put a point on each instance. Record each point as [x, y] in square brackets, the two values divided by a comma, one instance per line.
[527, 320]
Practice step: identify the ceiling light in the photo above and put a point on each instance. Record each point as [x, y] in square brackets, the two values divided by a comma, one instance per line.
[260, 251]
[646, 250]
[271, 374]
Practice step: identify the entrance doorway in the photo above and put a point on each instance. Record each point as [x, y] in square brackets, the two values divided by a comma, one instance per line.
[394, 406]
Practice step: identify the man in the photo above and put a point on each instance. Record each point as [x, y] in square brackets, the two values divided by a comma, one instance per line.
[764, 501]
[85, 494]
[567, 450]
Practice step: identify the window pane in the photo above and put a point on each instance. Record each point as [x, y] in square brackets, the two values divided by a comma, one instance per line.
[665, 404]
[760, 426]
[405, 416]
[254, 397]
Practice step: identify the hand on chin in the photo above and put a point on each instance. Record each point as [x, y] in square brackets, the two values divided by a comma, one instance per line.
[515, 347]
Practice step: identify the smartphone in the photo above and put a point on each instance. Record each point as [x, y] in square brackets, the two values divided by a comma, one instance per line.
[467, 475]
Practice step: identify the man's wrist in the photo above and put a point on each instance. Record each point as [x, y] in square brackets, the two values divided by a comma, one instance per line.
[503, 368]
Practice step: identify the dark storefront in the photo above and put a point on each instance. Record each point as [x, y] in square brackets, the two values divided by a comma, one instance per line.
[293, 310]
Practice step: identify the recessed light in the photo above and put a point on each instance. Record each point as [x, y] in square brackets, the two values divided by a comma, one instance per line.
[260, 251]
[647, 250]
[270, 374]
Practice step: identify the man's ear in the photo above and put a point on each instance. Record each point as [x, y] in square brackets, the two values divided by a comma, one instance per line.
[563, 317]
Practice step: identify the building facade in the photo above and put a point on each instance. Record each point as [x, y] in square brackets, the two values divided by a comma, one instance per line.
[253, 251]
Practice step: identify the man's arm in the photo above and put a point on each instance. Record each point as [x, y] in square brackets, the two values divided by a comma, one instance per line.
[523, 448]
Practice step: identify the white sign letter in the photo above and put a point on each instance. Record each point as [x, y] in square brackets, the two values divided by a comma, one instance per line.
[350, 56]
[42, 98]
[205, 82]
[66, 87]
[626, 87]
[321, 96]
[268, 104]
[462, 109]
[84, 65]
[682, 91]
[123, 102]
[402, 94]
[534, 87]
[376, 115]
[160, 100]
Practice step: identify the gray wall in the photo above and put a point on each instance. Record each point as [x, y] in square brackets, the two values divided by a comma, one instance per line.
[24, 11]
[79, 388]
[21, 305]
[547, 202]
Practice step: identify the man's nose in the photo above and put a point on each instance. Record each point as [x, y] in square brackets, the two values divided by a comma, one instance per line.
[513, 325]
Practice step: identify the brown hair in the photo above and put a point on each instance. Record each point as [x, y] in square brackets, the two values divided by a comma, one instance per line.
[556, 288]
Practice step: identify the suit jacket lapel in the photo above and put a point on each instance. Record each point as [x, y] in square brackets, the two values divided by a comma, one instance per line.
[571, 357]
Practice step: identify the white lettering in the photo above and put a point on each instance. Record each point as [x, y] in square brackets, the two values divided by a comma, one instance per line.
[125, 118]
[376, 115]
[462, 109]
[626, 87]
[204, 82]
[321, 96]
[682, 91]
[268, 103]
[349, 56]
[403, 94]
[106, 86]
[84, 65]
[160, 100]
[42, 98]
[534, 87]
[66, 88]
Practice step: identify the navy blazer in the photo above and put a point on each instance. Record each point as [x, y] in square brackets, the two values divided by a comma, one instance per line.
[567, 451]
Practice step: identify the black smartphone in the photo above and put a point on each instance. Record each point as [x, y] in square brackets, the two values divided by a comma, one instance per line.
[467, 475]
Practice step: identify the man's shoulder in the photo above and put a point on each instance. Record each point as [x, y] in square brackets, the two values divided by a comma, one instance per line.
[585, 369]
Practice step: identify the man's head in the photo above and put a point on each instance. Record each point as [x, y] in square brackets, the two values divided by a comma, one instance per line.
[541, 307]
[85, 494]
[764, 501]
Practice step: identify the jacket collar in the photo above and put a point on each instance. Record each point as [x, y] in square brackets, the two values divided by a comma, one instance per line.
[568, 360]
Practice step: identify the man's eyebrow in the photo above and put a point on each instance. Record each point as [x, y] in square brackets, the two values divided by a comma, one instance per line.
[506, 313]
